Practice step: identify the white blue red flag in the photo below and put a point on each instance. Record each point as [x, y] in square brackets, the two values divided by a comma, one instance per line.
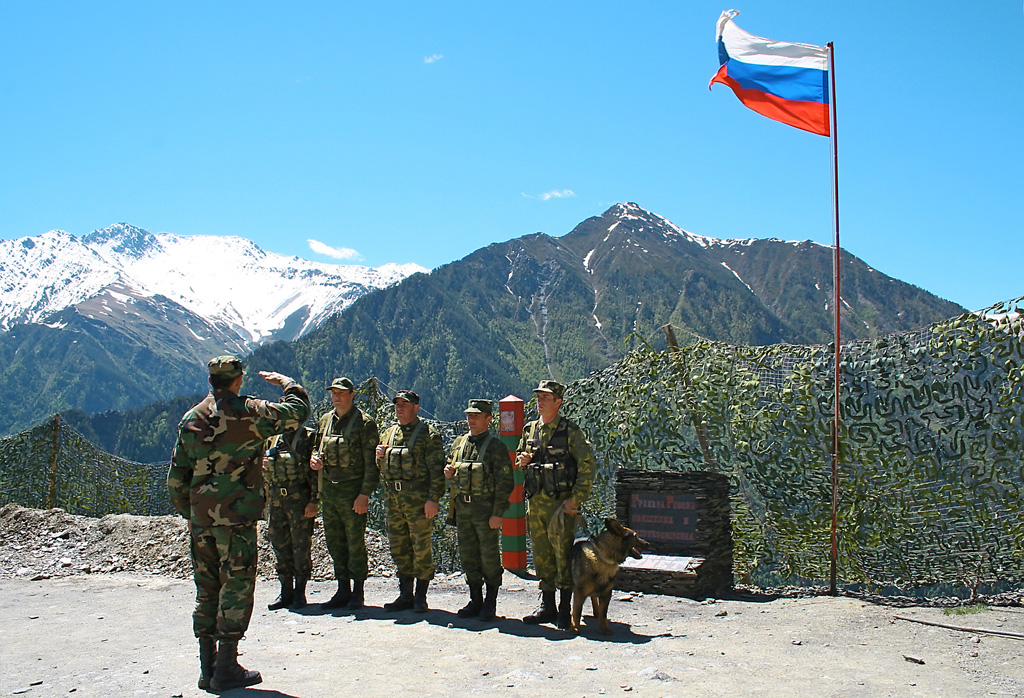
[785, 82]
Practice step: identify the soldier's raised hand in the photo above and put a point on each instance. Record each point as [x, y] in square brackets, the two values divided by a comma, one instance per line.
[273, 377]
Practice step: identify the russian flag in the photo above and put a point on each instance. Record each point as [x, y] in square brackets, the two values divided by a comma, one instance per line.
[785, 82]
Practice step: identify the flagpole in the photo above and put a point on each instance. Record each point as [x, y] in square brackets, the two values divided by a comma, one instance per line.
[836, 303]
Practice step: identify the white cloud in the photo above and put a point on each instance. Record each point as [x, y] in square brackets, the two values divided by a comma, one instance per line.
[553, 194]
[336, 252]
[433, 59]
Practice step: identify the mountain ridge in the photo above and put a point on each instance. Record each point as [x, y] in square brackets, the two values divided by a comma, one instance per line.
[122, 299]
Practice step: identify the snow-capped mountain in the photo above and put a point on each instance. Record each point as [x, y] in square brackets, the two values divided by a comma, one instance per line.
[236, 291]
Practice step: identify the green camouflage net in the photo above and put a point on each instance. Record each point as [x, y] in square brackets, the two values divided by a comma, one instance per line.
[930, 448]
[52, 465]
[930, 451]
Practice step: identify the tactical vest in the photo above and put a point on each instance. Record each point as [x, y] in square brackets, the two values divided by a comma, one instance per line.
[336, 449]
[284, 467]
[397, 464]
[471, 477]
[552, 469]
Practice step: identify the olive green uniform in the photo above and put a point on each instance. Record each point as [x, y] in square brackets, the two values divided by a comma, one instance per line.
[562, 467]
[291, 485]
[480, 488]
[346, 445]
[413, 472]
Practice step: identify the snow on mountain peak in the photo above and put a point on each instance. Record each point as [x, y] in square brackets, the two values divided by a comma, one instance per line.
[227, 280]
[122, 239]
[634, 212]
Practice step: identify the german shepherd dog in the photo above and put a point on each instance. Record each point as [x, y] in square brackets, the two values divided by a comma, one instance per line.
[593, 563]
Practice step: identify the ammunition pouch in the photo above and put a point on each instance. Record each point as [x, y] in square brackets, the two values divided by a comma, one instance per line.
[398, 464]
[337, 451]
[284, 468]
[471, 479]
[556, 480]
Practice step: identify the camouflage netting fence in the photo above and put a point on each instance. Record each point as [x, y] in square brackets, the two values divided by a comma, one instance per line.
[52, 465]
[930, 452]
[930, 448]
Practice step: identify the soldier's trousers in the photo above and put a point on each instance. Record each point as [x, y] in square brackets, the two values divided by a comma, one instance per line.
[550, 553]
[291, 534]
[344, 530]
[224, 568]
[409, 533]
[479, 551]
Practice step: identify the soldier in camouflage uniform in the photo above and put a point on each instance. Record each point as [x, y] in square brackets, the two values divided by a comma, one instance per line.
[346, 440]
[560, 467]
[292, 494]
[480, 480]
[411, 461]
[216, 482]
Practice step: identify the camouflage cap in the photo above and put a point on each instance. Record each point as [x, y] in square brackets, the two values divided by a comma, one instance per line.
[553, 387]
[226, 366]
[342, 383]
[407, 395]
[480, 406]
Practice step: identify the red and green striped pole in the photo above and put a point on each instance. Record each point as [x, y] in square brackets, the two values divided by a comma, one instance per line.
[513, 528]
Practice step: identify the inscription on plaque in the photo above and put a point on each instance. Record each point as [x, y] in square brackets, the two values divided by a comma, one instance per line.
[663, 517]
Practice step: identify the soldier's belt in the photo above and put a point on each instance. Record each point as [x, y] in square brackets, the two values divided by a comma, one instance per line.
[467, 498]
[293, 491]
[399, 485]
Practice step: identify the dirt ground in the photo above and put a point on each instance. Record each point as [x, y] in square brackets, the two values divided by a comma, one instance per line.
[113, 635]
[101, 607]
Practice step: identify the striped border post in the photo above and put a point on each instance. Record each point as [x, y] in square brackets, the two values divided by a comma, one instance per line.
[513, 527]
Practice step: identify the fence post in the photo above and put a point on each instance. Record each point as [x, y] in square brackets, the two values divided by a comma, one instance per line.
[51, 502]
[513, 527]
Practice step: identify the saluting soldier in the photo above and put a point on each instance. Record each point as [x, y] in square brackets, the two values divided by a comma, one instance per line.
[292, 491]
[480, 481]
[216, 482]
[560, 467]
[411, 461]
[344, 456]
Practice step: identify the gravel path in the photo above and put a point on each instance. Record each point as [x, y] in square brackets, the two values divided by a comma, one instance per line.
[123, 628]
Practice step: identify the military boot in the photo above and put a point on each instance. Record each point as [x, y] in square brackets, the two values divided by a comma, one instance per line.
[547, 611]
[356, 600]
[341, 596]
[228, 673]
[404, 600]
[300, 593]
[490, 606]
[565, 609]
[419, 603]
[207, 659]
[286, 596]
[476, 602]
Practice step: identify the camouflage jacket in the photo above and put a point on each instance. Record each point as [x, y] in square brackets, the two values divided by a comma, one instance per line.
[427, 454]
[496, 462]
[363, 440]
[216, 473]
[579, 447]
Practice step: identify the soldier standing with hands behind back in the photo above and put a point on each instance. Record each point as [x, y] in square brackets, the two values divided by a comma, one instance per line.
[480, 480]
[560, 467]
[292, 491]
[411, 461]
[216, 482]
[346, 442]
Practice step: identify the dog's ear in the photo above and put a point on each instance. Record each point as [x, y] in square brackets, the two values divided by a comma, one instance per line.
[614, 526]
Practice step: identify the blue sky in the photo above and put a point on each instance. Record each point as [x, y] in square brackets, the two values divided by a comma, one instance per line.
[419, 132]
